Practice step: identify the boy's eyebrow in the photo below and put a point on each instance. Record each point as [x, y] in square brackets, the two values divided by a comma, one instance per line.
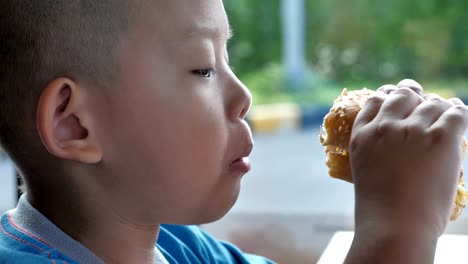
[209, 31]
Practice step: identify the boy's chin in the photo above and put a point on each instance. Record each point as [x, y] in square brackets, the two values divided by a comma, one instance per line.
[216, 217]
[205, 217]
[218, 210]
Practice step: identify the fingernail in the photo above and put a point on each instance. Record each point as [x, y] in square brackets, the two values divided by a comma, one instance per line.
[388, 88]
[412, 84]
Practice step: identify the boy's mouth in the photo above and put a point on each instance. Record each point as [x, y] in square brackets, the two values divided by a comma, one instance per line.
[241, 164]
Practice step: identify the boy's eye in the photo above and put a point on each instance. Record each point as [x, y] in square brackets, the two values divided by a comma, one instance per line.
[205, 73]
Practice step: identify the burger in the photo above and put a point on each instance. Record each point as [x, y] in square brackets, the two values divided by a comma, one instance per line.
[335, 136]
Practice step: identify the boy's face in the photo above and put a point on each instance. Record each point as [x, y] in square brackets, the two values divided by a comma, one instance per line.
[172, 129]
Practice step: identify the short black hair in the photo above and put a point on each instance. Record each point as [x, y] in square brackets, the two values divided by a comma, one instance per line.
[41, 40]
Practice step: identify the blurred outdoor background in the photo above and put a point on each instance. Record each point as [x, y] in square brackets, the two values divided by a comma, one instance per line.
[300, 54]
[296, 56]
[352, 43]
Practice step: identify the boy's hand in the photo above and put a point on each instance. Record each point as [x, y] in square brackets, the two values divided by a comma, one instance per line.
[411, 84]
[405, 156]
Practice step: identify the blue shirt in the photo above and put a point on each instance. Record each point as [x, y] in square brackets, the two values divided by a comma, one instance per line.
[26, 236]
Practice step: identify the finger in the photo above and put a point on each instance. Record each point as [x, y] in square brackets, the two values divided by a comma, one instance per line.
[388, 88]
[432, 95]
[370, 110]
[400, 104]
[455, 120]
[412, 84]
[456, 101]
[429, 111]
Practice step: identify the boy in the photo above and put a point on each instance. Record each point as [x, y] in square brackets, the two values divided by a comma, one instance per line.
[124, 115]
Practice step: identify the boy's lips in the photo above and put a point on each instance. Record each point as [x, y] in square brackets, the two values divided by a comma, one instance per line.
[243, 162]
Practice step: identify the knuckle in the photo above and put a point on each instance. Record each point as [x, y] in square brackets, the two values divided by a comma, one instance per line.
[426, 107]
[414, 85]
[437, 101]
[354, 144]
[388, 88]
[458, 114]
[439, 133]
[385, 126]
[376, 99]
[461, 109]
[456, 101]
[434, 98]
[358, 139]
[414, 128]
[404, 92]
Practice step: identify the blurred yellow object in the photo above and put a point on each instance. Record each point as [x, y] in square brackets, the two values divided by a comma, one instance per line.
[460, 200]
[336, 134]
[270, 118]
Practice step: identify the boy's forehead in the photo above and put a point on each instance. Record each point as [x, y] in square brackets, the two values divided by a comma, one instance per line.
[192, 18]
[220, 31]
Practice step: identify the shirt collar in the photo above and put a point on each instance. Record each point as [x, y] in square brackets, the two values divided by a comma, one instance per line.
[31, 220]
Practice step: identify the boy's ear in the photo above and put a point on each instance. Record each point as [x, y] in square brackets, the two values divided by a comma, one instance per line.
[63, 122]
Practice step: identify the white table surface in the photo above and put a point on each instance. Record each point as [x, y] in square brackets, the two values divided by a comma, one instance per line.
[450, 249]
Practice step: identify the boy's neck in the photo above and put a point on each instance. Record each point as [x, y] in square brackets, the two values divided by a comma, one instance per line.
[95, 225]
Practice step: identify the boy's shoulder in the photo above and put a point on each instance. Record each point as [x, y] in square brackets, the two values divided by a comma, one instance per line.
[20, 257]
[18, 246]
[191, 244]
[178, 244]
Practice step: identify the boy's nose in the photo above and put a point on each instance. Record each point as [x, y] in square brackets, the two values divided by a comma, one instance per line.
[241, 99]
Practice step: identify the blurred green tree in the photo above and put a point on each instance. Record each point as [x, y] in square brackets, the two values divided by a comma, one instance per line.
[356, 40]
